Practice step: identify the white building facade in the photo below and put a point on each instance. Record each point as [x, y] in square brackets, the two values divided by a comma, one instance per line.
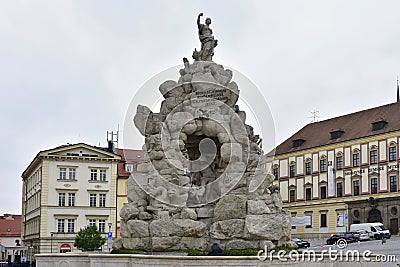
[64, 190]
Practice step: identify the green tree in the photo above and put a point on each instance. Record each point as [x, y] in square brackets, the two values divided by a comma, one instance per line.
[89, 239]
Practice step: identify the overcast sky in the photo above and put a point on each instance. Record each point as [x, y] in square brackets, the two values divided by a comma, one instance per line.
[69, 69]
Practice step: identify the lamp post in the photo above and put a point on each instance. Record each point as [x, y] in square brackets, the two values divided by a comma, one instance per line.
[30, 253]
[109, 243]
[51, 242]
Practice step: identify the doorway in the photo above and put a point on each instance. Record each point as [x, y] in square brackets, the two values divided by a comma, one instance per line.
[394, 226]
[374, 216]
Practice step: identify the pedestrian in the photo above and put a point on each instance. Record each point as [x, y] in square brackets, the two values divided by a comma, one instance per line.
[215, 250]
[383, 238]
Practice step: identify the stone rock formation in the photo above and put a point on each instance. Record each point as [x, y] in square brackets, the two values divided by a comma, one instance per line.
[201, 182]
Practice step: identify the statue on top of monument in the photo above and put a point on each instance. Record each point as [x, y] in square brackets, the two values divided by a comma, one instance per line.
[207, 41]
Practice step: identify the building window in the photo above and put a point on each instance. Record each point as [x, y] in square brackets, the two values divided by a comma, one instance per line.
[63, 173]
[356, 159]
[103, 175]
[61, 199]
[373, 156]
[71, 225]
[392, 153]
[308, 167]
[339, 162]
[310, 215]
[292, 169]
[92, 222]
[356, 187]
[308, 193]
[374, 185]
[297, 142]
[102, 226]
[393, 211]
[378, 125]
[336, 134]
[276, 173]
[322, 165]
[339, 189]
[393, 183]
[93, 174]
[72, 173]
[292, 195]
[323, 220]
[340, 219]
[323, 192]
[102, 200]
[92, 200]
[71, 199]
[293, 214]
[356, 213]
[60, 225]
[128, 167]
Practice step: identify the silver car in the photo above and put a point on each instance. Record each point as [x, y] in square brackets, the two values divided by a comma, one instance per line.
[363, 235]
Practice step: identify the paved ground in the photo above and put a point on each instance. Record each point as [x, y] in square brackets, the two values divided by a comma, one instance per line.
[391, 247]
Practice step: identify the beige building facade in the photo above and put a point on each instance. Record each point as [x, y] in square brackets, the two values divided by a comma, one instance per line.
[341, 171]
[130, 158]
[64, 190]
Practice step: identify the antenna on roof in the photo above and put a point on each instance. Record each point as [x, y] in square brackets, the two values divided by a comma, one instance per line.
[398, 93]
[112, 139]
[314, 116]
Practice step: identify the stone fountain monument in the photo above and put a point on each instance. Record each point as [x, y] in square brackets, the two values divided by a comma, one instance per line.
[203, 180]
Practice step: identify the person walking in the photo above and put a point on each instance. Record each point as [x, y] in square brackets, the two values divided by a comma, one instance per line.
[383, 238]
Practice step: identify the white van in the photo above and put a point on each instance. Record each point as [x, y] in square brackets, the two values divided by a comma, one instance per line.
[374, 229]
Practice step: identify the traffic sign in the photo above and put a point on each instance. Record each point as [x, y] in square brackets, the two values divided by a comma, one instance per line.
[109, 234]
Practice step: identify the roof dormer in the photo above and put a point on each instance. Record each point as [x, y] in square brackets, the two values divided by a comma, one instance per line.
[378, 125]
[335, 134]
[297, 142]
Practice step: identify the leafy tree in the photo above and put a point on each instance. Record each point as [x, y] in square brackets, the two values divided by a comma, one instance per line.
[89, 239]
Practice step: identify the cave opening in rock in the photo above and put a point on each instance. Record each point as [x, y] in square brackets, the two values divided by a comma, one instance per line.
[205, 160]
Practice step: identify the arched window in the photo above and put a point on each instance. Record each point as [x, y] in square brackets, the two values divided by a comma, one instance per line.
[392, 151]
[308, 166]
[339, 161]
[292, 169]
[373, 155]
[322, 164]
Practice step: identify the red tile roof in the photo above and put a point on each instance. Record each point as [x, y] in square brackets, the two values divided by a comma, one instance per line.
[10, 225]
[133, 156]
[355, 125]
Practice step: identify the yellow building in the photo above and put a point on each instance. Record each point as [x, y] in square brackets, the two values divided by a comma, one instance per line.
[65, 189]
[341, 171]
[130, 158]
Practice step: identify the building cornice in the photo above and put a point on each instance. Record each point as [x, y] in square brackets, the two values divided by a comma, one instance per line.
[338, 145]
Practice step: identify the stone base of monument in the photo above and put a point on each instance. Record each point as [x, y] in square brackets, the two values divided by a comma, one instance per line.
[123, 260]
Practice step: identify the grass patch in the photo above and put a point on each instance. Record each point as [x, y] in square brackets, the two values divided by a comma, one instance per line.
[127, 251]
[240, 252]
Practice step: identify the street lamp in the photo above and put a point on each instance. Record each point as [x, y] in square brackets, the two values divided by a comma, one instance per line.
[30, 256]
[51, 242]
[109, 243]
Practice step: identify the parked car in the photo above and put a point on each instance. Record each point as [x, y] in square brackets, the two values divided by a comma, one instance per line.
[374, 229]
[355, 236]
[301, 243]
[362, 235]
[335, 237]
